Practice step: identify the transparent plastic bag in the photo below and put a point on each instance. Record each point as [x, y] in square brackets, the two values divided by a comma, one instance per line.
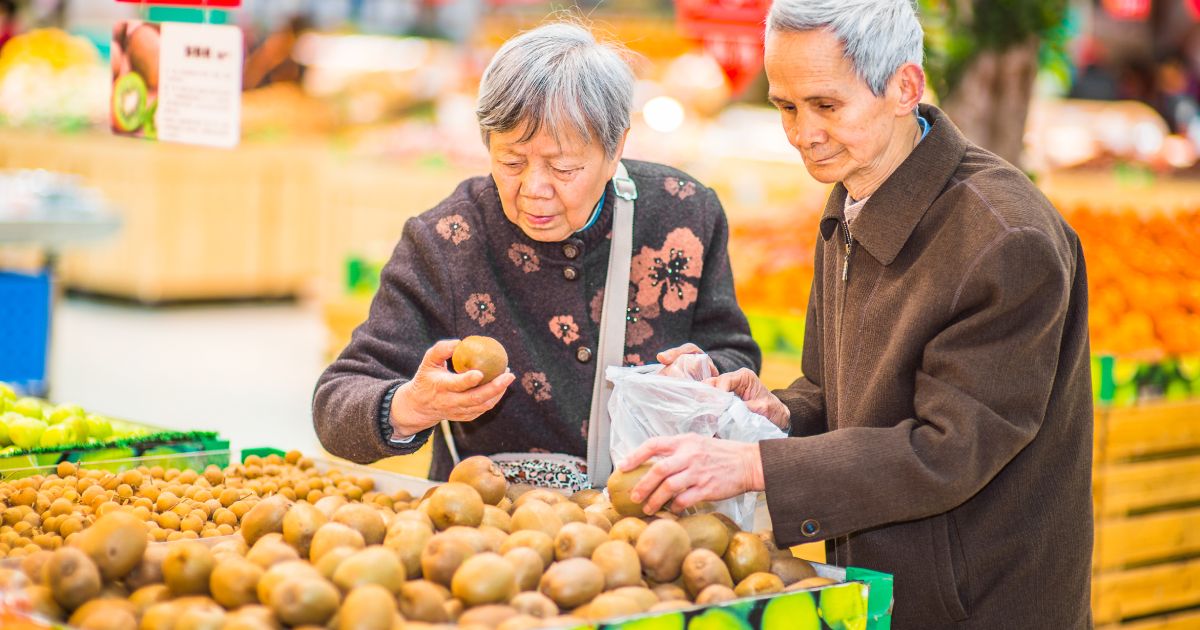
[650, 401]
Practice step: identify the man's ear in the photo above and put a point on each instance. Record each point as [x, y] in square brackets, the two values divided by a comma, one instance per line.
[909, 86]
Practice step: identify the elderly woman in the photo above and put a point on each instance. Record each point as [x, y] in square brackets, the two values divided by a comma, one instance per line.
[523, 256]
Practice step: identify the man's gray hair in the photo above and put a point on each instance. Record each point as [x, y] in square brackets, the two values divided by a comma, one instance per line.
[560, 77]
[878, 36]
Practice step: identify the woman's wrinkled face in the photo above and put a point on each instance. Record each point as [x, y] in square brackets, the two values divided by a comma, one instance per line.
[549, 185]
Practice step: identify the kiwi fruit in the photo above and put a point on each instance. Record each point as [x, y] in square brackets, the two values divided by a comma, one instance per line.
[495, 517]
[812, 582]
[101, 607]
[627, 529]
[113, 616]
[333, 559]
[42, 602]
[31, 569]
[516, 491]
[300, 524]
[143, 46]
[715, 594]
[670, 591]
[482, 579]
[483, 475]
[477, 352]
[520, 621]
[148, 596]
[72, 577]
[620, 484]
[115, 542]
[363, 518]
[478, 540]
[728, 523]
[488, 616]
[587, 497]
[333, 535]
[454, 608]
[572, 582]
[234, 582]
[442, 556]
[662, 548]
[251, 618]
[328, 505]
[275, 575]
[407, 538]
[759, 584]
[577, 540]
[705, 531]
[269, 551]
[703, 568]
[534, 604]
[455, 504]
[187, 568]
[416, 516]
[203, 614]
[538, 516]
[129, 102]
[373, 565]
[596, 519]
[264, 518]
[569, 512]
[493, 537]
[620, 563]
[539, 541]
[367, 607]
[422, 600]
[160, 616]
[545, 495]
[642, 595]
[527, 567]
[609, 605]
[149, 568]
[304, 600]
[791, 569]
[746, 554]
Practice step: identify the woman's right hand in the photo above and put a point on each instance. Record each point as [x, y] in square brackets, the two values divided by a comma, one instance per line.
[435, 393]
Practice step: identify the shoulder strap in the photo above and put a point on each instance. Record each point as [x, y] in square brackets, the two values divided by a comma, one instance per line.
[611, 349]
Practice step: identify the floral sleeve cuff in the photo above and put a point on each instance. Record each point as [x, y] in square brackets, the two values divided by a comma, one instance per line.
[406, 445]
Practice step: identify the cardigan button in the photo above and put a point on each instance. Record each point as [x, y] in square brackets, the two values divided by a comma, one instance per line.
[583, 354]
[570, 250]
[570, 273]
[810, 528]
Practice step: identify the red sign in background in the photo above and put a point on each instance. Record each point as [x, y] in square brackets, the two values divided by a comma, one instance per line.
[215, 4]
[731, 31]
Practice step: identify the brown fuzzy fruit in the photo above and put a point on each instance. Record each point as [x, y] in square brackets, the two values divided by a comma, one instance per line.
[72, 577]
[482, 579]
[363, 518]
[455, 504]
[484, 475]
[187, 568]
[620, 484]
[477, 352]
[115, 542]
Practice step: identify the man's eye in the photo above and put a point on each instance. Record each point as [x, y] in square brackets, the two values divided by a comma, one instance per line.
[565, 171]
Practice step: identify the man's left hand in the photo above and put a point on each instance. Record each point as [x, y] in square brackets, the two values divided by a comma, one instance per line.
[693, 468]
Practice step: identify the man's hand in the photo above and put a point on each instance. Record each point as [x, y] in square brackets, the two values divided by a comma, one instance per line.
[669, 358]
[746, 384]
[693, 468]
[435, 393]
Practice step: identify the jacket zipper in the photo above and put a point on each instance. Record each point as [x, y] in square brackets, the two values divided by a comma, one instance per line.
[849, 250]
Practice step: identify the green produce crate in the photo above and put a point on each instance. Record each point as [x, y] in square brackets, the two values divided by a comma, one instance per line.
[184, 451]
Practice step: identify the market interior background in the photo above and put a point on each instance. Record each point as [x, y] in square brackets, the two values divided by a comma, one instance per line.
[235, 275]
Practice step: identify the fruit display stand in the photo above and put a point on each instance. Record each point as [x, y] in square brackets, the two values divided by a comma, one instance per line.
[1146, 569]
[842, 597]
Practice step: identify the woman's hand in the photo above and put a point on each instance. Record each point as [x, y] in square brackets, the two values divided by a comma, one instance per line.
[435, 393]
[692, 369]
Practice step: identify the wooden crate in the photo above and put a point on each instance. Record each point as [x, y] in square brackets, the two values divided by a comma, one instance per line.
[1147, 498]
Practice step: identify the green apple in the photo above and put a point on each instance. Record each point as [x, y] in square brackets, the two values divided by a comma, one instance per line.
[6, 393]
[30, 407]
[25, 432]
[64, 412]
[4, 439]
[58, 435]
[79, 425]
[98, 427]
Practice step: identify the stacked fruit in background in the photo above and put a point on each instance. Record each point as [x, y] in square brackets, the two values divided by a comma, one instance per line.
[323, 549]
[31, 423]
[51, 78]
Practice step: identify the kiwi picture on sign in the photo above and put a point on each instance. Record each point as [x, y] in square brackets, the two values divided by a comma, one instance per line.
[135, 64]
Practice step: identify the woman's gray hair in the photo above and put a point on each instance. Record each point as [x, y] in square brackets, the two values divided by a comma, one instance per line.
[878, 36]
[558, 76]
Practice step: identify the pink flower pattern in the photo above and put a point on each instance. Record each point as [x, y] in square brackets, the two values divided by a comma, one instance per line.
[637, 324]
[524, 257]
[667, 273]
[454, 228]
[633, 359]
[565, 329]
[536, 385]
[679, 188]
[481, 309]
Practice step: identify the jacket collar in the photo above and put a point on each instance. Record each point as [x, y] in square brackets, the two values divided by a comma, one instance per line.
[893, 212]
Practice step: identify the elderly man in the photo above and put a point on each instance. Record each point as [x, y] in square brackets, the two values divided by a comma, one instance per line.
[942, 430]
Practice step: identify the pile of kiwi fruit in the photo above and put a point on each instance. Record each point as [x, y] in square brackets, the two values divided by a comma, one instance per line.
[475, 552]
